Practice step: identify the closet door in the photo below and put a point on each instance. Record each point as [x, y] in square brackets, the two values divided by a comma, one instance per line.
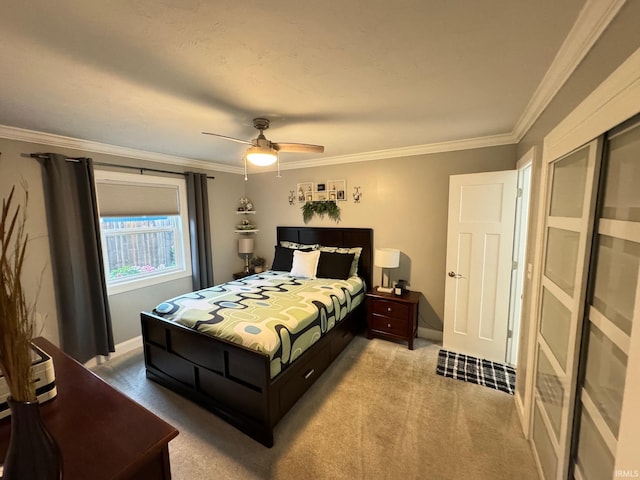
[569, 218]
[613, 311]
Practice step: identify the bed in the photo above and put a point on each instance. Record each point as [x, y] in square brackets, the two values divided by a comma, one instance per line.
[250, 389]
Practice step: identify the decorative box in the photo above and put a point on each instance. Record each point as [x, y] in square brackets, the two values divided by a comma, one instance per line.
[44, 378]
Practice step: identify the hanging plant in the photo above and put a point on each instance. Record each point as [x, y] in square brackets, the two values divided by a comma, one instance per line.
[321, 208]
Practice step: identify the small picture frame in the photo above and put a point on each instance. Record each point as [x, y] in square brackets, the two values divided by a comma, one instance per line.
[337, 190]
[320, 196]
[321, 187]
[304, 192]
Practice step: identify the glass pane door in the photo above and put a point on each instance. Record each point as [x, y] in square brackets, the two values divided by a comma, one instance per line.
[612, 309]
[568, 233]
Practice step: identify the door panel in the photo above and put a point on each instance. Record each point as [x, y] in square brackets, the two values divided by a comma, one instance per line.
[562, 258]
[488, 297]
[479, 250]
[569, 218]
[545, 448]
[613, 314]
[555, 324]
[616, 280]
[463, 264]
[551, 392]
[569, 184]
[595, 461]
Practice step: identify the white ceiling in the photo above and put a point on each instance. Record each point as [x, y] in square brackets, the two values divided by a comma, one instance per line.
[358, 76]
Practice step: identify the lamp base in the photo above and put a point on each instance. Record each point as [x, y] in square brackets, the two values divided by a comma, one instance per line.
[384, 289]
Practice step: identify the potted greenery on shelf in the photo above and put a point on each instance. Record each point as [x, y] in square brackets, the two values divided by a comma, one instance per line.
[258, 264]
[321, 208]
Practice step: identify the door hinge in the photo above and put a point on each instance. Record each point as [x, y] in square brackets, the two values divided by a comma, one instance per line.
[519, 193]
[514, 265]
[509, 333]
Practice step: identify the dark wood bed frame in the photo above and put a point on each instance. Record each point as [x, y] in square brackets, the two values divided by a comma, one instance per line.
[233, 381]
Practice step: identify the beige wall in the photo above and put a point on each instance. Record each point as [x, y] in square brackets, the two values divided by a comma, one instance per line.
[14, 170]
[405, 201]
[125, 307]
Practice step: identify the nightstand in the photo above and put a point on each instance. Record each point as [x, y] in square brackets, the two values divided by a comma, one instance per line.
[391, 316]
[239, 275]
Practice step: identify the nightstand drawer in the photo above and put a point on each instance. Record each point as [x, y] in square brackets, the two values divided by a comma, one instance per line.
[394, 326]
[391, 317]
[391, 309]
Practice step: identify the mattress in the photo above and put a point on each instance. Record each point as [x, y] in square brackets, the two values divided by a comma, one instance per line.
[271, 312]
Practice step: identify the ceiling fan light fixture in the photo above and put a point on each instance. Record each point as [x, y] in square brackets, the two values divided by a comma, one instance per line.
[262, 156]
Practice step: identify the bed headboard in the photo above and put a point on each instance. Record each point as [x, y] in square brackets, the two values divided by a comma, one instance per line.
[336, 237]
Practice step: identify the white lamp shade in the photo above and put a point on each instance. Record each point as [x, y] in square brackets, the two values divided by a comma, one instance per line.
[262, 156]
[387, 258]
[245, 245]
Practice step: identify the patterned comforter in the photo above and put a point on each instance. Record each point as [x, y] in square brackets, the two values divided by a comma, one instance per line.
[272, 312]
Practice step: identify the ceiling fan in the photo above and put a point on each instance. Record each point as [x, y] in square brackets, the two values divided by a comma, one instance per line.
[264, 152]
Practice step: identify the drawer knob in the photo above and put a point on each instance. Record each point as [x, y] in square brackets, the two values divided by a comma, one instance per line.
[388, 309]
[388, 325]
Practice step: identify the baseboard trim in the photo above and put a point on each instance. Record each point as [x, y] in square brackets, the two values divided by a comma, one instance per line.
[430, 334]
[120, 349]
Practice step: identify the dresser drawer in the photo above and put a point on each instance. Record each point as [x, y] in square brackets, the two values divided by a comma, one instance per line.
[394, 326]
[391, 309]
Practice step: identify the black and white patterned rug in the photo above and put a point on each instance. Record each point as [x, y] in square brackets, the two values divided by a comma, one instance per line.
[476, 370]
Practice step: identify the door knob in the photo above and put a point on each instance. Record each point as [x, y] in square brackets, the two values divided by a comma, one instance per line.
[454, 275]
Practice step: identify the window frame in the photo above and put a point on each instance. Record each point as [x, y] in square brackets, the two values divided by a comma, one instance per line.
[107, 176]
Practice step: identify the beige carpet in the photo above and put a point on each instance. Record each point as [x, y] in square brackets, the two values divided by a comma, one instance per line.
[379, 412]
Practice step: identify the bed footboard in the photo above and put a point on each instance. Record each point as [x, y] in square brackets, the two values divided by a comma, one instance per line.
[233, 381]
[227, 379]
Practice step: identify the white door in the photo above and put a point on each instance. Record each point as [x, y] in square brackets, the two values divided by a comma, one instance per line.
[519, 258]
[478, 269]
[568, 212]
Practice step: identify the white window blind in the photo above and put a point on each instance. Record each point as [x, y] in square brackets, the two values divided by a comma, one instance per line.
[117, 199]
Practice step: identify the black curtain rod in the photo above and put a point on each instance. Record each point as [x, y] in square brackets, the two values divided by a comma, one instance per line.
[143, 169]
[42, 155]
[115, 165]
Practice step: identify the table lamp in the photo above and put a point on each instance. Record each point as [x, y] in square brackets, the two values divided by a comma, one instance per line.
[245, 246]
[386, 258]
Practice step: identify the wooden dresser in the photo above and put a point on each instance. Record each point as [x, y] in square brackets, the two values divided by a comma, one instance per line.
[102, 434]
[393, 317]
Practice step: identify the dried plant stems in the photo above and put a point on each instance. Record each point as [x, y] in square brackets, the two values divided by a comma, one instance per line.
[17, 317]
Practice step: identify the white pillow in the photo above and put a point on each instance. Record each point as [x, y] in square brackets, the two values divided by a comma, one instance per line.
[305, 264]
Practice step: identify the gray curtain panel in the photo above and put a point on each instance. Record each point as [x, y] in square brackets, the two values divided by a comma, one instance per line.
[76, 256]
[199, 230]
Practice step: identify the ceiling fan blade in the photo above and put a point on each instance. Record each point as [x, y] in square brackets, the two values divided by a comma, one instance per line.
[229, 138]
[298, 147]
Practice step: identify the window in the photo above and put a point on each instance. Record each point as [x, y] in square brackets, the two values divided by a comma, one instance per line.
[143, 226]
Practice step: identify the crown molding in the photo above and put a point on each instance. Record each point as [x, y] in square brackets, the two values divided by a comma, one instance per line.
[23, 135]
[612, 102]
[592, 20]
[20, 134]
[441, 147]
